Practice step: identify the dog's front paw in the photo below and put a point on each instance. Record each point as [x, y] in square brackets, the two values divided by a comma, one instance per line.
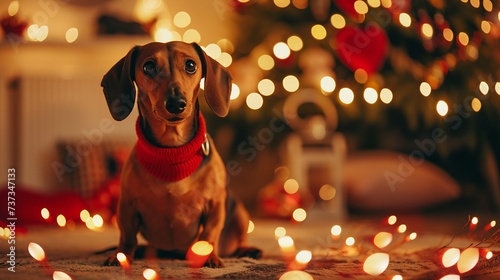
[112, 261]
[214, 262]
[250, 252]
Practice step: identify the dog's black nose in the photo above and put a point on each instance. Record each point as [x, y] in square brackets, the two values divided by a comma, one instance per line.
[175, 104]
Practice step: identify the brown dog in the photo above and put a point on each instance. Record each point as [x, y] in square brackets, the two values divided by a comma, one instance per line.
[173, 186]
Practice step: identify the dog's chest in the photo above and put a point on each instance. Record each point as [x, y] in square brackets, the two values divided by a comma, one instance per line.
[171, 211]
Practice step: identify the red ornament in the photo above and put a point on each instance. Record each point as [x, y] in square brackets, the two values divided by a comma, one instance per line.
[12, 25]
[275, 202]
[362, 48]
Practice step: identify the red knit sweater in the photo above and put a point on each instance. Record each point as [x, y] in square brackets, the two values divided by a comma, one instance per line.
[171, 164]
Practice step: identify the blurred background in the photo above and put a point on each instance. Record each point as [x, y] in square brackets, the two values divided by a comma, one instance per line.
[337, 106]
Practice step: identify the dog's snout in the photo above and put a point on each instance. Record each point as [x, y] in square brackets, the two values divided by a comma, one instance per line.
[175, 104]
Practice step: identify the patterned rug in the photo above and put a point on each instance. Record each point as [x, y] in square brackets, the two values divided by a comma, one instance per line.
[73, 252]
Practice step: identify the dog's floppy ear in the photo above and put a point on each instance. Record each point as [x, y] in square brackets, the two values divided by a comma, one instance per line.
[118, 86]
[217, 83]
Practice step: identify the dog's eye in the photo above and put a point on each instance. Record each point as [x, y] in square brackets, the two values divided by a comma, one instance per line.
[190, 66]
[149, 68]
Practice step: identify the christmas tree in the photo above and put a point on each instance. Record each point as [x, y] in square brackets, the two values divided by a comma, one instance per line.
[401, 68]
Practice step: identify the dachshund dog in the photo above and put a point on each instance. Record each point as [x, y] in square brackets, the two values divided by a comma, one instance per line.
[173, 185]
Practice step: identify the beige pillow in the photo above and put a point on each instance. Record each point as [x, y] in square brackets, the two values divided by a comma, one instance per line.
[385, 180]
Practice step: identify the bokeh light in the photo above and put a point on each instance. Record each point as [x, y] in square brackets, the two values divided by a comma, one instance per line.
[337, 21]
[291, 83]
[386, 95]
[182, 19]
[346, 95]
[254, 101]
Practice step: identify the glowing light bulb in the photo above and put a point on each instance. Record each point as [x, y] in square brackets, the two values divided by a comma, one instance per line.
[45, 213]
[382, 239]
[182, 19]
[486, 26]
[254, 101]
[213, 50]
[488, 5]
[346, 95]
[295, 275]
[59, 275]
[279, 232]
[328, 84]
[36, 251]
[97, 220]
[336, 230]
[450, 257]
[191, 36]
[448, 34]
[294, 43]
[374, 3]
[425, 89]
[281, 50]
[266, 62]
[251, 226]
[484, 88]
[360, 76]
[370, 95]
[392, 220]
[463, 38]
[225, 59]
[442, 108]
[327, 192]
[412, 236]
[71, 35]
[468, 260]
[476, 104]
[281, 3]
[285, 242]
[427, 30]
[303, 257]
[149, 274]
[13, 8]
[90, 223]
[338, 21]
[450, 277]
[402, 228]
[291, 186]
[376, 264]
[235, 92]
[350, 241]
[163, 35]
[266, 87]
[386, 95]
[360, 7]
[299, 215]
[291, 83]
[405, 19]
[318, 31]
[61, 220]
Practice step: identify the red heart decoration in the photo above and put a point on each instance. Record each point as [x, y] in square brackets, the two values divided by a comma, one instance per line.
[362, 47]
